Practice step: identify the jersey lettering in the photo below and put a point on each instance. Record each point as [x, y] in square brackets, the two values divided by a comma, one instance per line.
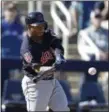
[46, 56]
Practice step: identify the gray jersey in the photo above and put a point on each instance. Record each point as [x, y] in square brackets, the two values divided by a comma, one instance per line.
[99, 37]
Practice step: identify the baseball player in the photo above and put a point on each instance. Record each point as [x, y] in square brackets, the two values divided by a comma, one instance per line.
[40, 51]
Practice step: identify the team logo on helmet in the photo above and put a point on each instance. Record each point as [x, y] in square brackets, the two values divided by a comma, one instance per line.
[39, 17]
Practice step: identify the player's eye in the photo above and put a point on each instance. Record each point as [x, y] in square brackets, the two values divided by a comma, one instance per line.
[38, 27]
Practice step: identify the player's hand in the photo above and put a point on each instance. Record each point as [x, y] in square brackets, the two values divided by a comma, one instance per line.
[60, 59]
[44, 72]
[47, 70]
[36, 67]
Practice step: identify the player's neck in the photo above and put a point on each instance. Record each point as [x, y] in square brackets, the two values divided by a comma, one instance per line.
[37, 39]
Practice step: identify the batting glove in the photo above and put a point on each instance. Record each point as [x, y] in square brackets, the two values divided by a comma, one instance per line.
[60, 59]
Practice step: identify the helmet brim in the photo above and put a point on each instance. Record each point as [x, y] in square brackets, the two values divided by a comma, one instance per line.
[36, 24]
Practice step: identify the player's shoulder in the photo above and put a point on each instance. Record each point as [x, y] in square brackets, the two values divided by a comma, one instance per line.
[50, 33]
[83, 30]
[86, 30]
[25, 38]
[51, 36]
[104, 31]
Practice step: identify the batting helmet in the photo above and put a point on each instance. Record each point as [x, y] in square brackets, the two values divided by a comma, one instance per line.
[35, 18]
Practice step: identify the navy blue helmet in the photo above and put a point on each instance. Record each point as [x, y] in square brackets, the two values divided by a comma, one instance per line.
[35, 18]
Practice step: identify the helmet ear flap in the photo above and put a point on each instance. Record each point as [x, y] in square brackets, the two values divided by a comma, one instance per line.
[46, 25]
[27, 27]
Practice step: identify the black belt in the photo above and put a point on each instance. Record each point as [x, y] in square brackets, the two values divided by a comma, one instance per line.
[45, 78]
[48, 78]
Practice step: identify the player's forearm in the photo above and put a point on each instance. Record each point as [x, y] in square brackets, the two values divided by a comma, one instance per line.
[59, 57]
[28, 58]
[58, 51]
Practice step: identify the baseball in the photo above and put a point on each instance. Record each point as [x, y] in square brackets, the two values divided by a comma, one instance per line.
[92, 71]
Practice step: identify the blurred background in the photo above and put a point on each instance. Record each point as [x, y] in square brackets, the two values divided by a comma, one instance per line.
[83, 28]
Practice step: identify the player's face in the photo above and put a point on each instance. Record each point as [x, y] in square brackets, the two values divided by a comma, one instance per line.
[37, 31]
[10, 14]
[97, 21]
